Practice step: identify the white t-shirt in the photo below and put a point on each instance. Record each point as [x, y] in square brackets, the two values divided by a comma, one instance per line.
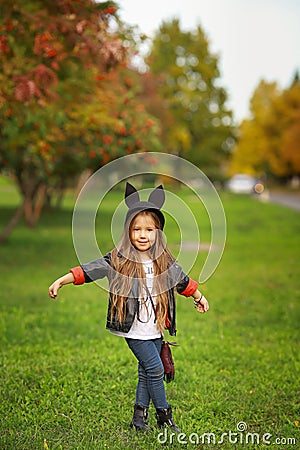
[144, 326]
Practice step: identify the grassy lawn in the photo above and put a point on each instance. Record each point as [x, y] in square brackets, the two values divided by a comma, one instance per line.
[67, 383]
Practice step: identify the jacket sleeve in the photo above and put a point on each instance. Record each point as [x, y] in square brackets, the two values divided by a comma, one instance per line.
[190, 288]
[91, 271]
[184, 284]
[78, 275]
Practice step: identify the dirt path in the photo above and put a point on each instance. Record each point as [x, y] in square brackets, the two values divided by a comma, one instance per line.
[291, 200]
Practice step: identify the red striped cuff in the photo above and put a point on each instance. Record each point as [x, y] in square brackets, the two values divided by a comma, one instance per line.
[78, 275]
[190, 289]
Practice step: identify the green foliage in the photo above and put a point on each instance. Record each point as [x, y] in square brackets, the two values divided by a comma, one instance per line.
[50, 56]
[66, 380]
[196, 121]
[67, 100]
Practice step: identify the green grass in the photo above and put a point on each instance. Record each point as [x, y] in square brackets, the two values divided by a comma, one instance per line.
[66, 380]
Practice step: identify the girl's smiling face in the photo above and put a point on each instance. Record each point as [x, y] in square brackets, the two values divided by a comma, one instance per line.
[142, 232]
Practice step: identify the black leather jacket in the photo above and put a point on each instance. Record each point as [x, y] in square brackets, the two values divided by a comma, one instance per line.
[100, 268]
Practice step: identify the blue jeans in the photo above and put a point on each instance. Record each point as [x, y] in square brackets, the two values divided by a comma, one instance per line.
[151, 372]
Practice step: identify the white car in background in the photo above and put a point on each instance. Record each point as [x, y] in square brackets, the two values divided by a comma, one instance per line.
[245, 184]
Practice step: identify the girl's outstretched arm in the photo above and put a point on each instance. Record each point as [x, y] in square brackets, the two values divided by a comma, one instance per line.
[65, 279]
[200, 301]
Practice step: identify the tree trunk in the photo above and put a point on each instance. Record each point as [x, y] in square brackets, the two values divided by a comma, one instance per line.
[59, 198]
[31, 207]
[12, 223]
[34, 204]
[82, 180]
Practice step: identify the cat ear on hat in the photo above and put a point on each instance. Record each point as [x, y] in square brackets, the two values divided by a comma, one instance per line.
[131, 195]
[157, 196]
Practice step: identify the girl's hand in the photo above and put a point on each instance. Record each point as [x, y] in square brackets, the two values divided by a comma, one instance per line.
[66, 279]
[53, 289]
[201, 304]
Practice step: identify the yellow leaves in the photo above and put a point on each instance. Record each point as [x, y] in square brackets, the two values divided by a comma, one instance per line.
[180, 138]
[56, 134]
[290, 145]
[270, 139]
[43, 146]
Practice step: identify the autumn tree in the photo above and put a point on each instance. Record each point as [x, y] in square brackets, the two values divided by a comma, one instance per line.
[258, 134]
[268, 141]
[290, 144]
[49, 54]
[116, 122]
[182, 88]
[64, 93]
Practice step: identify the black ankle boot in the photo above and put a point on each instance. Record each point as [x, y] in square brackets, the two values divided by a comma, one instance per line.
[164, 416]
[140, 417]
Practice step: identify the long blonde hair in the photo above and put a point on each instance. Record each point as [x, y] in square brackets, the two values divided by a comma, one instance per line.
[126, 265]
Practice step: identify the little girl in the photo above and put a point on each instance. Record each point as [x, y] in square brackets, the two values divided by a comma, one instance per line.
[142, 276]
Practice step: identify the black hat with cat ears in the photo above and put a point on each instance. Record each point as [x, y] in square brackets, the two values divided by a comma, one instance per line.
[155, 201]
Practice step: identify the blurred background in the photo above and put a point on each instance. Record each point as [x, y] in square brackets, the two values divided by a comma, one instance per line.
[100, 80]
